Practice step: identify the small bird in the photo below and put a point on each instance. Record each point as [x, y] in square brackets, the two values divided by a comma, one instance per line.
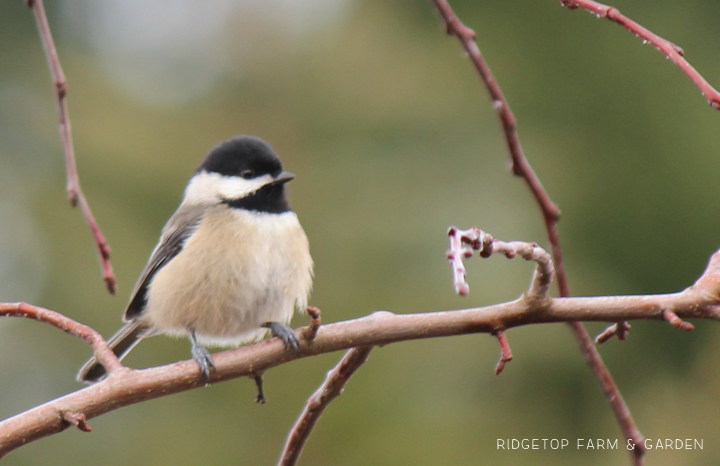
[232, 262]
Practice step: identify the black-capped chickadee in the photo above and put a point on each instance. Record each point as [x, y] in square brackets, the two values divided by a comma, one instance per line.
[232, 263]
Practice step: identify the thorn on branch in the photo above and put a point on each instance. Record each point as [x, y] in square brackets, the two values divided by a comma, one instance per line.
[312, 329]
[79, 420]
[676, 321]
[621, 329]
[505, 352]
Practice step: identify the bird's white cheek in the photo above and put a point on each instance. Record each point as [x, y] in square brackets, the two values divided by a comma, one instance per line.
[212, 187]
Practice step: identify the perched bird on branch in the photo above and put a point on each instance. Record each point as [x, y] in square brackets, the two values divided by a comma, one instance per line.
[232, 263]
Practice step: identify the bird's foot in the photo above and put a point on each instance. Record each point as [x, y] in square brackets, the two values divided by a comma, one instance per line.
[283, 332]
[202, 356]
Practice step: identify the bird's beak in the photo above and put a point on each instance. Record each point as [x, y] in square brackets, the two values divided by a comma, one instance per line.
[283, 177]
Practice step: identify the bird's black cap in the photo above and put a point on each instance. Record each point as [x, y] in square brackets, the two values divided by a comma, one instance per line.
[250, 157]
[245, 156]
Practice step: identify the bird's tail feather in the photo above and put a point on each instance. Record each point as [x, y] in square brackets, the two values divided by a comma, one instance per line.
[121, 343]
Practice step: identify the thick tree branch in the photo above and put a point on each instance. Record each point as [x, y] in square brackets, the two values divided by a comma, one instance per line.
[125, 387]
[667, 48]
[333, 387]
[521, 167]
[75, 194]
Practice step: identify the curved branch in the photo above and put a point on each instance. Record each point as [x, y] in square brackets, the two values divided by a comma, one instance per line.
[487, 245]
[125, 387]
[667, 48]
[521, 167]
[102, 351]
[75, 194]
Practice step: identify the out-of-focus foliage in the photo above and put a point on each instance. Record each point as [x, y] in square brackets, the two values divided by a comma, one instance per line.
[393, 139]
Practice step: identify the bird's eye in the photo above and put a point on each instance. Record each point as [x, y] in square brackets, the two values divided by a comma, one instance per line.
[247, 174]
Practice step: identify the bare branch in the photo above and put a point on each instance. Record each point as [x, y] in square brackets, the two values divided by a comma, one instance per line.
[505, 353]
[521, 167]
[620, 329]
[102, 351]
[487, 245]
[667, 48]
[315, 323]
[75, 194]
[456, 254]
[125, 387]
[330, 389]
[676, 321]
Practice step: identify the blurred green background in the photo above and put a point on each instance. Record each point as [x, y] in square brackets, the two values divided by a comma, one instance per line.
[393, 139]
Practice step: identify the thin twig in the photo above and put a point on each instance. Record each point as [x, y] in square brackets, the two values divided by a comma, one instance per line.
[619, 329]
[333, 387]
[505, 352]
[102, 351]
[75, 194]
[457, 252]
[676, 321]
[315, 323]
[477, 239]
[521, 167]
[667, 48]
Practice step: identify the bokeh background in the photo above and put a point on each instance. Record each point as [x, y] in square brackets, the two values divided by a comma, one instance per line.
[393, 139]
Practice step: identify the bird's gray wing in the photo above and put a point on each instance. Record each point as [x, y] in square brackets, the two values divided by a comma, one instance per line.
[174, 235]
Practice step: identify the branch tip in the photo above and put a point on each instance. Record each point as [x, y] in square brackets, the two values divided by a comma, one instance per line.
[676, 321]
[479, 240]
[102, 351]
[74, 192]
[619, 329]
[311, 330]
[670, 50]
[505, 352]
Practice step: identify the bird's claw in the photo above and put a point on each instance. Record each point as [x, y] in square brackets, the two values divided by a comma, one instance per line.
[284, 333]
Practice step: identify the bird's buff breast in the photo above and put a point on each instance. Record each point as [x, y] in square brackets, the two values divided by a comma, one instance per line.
[247, 268]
